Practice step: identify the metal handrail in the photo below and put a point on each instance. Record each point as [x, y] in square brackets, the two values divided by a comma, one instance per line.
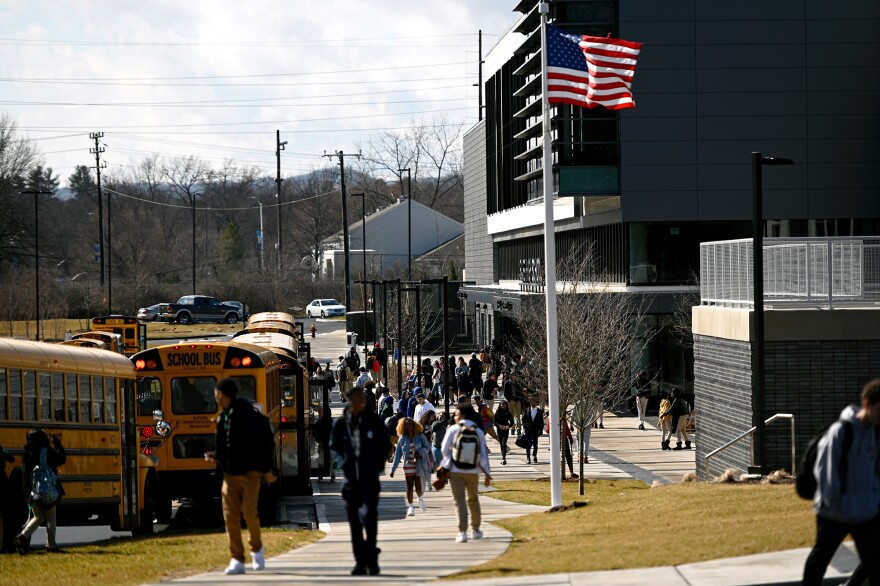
[776, 417]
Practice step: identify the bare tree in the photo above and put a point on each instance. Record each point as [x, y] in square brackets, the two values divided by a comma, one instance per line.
[599, 340]
[683, 303]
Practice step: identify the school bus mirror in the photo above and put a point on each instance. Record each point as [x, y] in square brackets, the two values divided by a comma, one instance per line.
[158, 415]
[163, 429]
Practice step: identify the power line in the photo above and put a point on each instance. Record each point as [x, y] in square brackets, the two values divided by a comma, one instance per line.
[250, 84]
[213, 105]
[188, 207]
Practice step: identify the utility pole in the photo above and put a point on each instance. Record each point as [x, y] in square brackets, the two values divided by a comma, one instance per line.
[109, 256]
[345, 243]
[193, 201]
[279, 146]
[97, 136]
[37, 193]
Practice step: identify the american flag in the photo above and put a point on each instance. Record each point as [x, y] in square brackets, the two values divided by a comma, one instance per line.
[590, 71]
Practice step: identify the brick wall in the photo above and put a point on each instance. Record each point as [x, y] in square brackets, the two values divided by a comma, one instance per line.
[722, 397]
[478, 263]
[813, 380]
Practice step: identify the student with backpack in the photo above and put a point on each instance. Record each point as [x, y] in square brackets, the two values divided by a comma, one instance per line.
[40, 479]
[244, 451]
[342, 374]
[847, 488]
[464, 457]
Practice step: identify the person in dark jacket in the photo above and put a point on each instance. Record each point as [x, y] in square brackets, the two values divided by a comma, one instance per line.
[361, 447]
[533, 426]
[503, 425]
[475, 372]
[244, 451]
[36, 445]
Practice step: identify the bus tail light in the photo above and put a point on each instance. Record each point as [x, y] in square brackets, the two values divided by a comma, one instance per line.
[235, 362]
[284, 419]
[140, 364]
[148, 451]
[246, 361]
[147, 431]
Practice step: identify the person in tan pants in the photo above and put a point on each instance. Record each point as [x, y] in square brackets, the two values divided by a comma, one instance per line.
[464, 467]
[244, 450]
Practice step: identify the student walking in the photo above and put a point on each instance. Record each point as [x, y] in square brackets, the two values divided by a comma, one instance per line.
[411, 447]
[503, 425]
[533, 427]
[643, 393]
[665, 422]
[464, 457]
[244, 452]
[847, 498]
[342, 376]
[38, 451]
[680, 410]
[360, 446]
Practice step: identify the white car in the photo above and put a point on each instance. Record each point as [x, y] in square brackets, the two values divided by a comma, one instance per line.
[324, 308]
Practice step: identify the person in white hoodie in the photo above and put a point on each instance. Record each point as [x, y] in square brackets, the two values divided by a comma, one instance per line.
[847, 499]
[464, 459]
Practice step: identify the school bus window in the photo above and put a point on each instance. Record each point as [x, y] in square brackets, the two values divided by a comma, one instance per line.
[97, 399]
[58, 396]
[149, 395]
[85, 399]
[45, 396]
[30, 395]
[247, 387]
[70, 386]
[129, 333]
[193, 446]
[288, 390]
[193, 395]
[14, 394]
[110, 398]
[3, 394]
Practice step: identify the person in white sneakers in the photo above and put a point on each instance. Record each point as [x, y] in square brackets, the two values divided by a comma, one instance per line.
[411, 447]
[464, 457]
[244, 451]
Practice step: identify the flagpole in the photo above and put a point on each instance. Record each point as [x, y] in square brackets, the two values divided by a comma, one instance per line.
[550, 280]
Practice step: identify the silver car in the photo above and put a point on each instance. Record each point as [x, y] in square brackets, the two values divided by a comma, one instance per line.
[148, 313]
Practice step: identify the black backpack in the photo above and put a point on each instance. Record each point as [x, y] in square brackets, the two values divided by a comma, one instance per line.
[391, 424]
[805, 482]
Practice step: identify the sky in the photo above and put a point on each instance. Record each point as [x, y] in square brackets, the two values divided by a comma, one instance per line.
[216, 78]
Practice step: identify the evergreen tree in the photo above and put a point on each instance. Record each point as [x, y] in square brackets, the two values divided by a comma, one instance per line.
[82, 183]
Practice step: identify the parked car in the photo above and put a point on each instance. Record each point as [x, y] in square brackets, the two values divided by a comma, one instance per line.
[325, 308]
[150, 313]
[199, 308]
[244, 311]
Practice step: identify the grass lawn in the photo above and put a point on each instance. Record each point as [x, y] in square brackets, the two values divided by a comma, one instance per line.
[628, 525]
[139, 560]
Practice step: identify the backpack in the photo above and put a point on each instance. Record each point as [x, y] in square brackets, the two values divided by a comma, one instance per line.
[466, 448]
[805, 483]
[342, 372]
[44, 483]
[391, 424]
[352, 362]
[387, 409]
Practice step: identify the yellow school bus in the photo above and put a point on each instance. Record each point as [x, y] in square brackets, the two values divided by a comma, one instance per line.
[85, 397]
[271, 316]
[98, 339]
[133, 333]
[176, 385]
[295, 462]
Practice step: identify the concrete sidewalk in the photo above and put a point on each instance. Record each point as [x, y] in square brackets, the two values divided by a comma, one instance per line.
[784, 567]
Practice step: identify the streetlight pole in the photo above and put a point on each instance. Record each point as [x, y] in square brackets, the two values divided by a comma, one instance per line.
[418, 333]
[37, 193]
[408, 222]
[758, 395]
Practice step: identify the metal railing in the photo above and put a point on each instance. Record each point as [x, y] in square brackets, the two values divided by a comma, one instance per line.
[742, 436]
[797, 271]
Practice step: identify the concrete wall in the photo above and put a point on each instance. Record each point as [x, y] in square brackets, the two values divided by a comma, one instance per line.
[478, 262]
[717, 80]
[816, 363]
